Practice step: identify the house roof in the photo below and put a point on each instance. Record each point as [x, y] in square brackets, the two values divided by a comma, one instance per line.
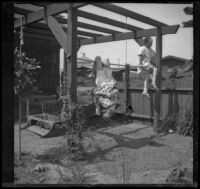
[175, 58]
[84, 59]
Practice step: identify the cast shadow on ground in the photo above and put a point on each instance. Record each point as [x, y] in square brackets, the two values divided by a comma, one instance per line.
[122, 142]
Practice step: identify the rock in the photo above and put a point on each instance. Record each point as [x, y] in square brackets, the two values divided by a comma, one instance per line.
[40, 168]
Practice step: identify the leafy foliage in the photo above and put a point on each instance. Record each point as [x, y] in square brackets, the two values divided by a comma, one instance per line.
[72, 118]
[25, 71]
[169, 122]
[178, 175]
[185, 121]
[181, 122]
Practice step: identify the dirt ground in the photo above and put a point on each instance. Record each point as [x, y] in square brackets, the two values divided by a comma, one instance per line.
[116, 153]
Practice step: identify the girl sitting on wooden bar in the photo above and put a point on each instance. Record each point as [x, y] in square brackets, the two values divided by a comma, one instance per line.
[146, 64]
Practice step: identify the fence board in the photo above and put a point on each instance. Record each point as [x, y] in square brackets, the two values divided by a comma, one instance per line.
[171, 100]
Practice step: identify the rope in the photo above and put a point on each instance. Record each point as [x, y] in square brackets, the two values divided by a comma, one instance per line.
[21, 36]
[126, 43]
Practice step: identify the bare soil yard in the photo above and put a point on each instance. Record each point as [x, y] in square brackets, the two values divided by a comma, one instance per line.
[115, 153]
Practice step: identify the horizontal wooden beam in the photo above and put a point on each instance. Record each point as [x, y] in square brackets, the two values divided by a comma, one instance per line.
[79, 32]
[39, 36]
[64, 21]
[130, 14]
[18, 10]
[29, 34]
[131, 35]
[106, 20]
[43, 32]
[88, 26]
[51, 10]
[40, 4]
[38, 31]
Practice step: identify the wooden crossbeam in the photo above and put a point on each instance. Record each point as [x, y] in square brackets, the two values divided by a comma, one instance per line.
[128, 13]
[106, 20]
[89, 34]
[64, 21]
[79, 32]
[22, 11]
[88, 26]
[38, 31]
[39, 36]
[131, 35]
[52, 9]
[40, 4]
[43, 32]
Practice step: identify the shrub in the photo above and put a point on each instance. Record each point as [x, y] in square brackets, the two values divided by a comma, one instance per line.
[169, 122]
[74, 173]
[178, 175]
[25, 71]
[185, 121]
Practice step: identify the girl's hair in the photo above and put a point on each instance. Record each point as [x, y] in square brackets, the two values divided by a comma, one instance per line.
[146, 39]
[96, 61]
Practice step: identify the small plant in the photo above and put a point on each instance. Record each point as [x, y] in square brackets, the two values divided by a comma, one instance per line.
[185, 122]
[168, 123]
[126, 167]
[73, 173]
[178, 175]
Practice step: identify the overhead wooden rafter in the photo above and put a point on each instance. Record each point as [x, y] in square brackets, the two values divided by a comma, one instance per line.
[130, 14]
[43, 32]
[89, 26]
[64, 21]
[51, 10]
[86, 25]
[106, 20]
[130, 35]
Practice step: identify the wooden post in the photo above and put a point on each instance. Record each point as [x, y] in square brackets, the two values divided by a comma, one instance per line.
[20, 119]
[72, 49]
[157, 97]
[27, 108]
[126, 86]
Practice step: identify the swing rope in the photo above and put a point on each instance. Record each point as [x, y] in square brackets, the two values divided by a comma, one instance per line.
[21, 36]
[126, 43]
[20, 108]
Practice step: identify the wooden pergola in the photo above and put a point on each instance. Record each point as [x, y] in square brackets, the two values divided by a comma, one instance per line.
[46, 23]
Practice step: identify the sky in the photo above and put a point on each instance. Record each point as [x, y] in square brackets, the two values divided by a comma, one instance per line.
[179, 44]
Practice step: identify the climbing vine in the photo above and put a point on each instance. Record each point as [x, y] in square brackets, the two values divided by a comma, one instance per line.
[72, 118]
[25, 71]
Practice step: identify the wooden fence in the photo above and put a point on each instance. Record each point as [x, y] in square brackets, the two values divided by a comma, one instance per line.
[175, 95]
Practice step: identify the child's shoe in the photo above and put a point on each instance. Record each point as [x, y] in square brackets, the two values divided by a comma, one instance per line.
[155, 87]
[145, 93]
[98, 110]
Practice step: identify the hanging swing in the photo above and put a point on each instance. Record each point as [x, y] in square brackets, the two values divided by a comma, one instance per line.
[43, 124]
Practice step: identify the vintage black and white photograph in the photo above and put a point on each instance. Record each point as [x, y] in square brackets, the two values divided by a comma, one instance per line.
[103, 93]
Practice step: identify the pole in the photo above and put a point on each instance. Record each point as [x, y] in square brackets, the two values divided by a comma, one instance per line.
[27, 108]
[20, 108]
[72, 47]
[126, 86]
[20, 111]
[157, 99]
